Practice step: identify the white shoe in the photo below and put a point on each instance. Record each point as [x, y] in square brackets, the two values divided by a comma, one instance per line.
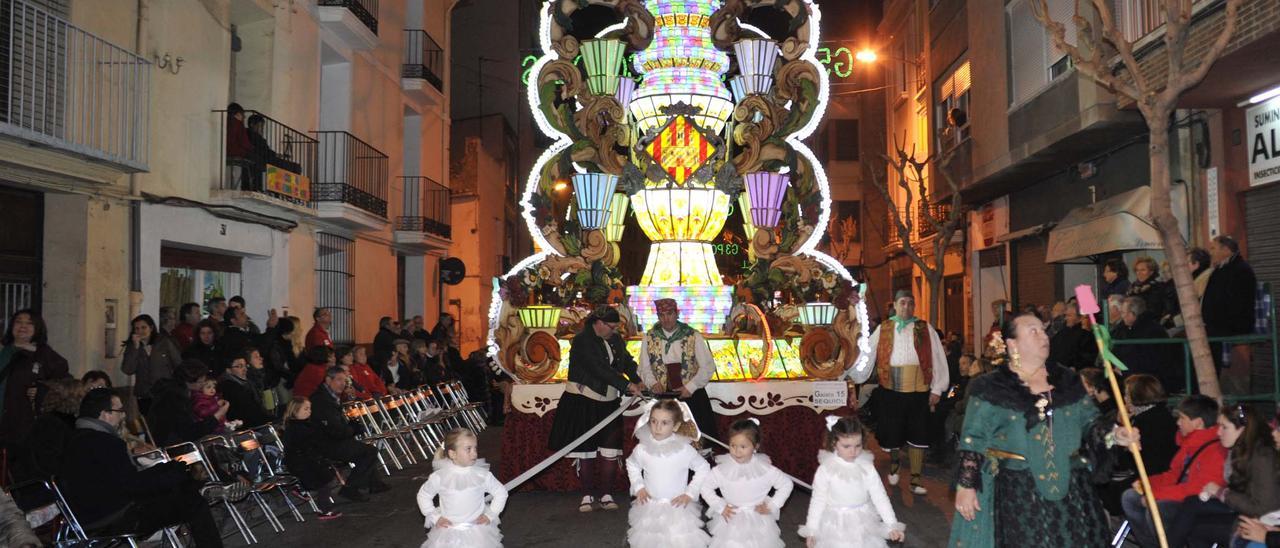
[608, 503]
[893, 479]
[919, 489]
[588, 504]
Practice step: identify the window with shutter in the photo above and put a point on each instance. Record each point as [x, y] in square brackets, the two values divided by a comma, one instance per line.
[1034, 60]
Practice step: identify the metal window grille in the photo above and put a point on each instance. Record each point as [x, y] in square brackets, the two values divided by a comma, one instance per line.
[364, 10]
[66, 88]
[426, 207]
[423, 58]
[14, 296]
[292, 150]
[334, 283]
[351, 171]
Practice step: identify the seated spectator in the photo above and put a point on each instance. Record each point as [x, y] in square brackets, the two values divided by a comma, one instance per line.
[1152, 359]
[355, 390]
[338, 440]
[1149, 413]
[14, 529]
[278, 354]
[303, 457]
[42, 449]
[1198, 463]
[319, 359]
[364, 375]
[207, 403]
[148, 356]
[418, 328]
[262, 153]
[1161, 301]
[111, 496]
[1253, 530]
[398, 372]
[172, 418]
[96, 379]
[1251, 487]
[206, 348]
[429, 362]
[1073, 344]
[1096, 385]
[1115, 277]
[319, 333]
[384, 343]
[243, 399]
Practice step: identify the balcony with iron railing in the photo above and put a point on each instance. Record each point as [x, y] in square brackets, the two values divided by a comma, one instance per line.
[277, 170]
[353, 21]
[939, 212]
[423, 61]
[425, 219]
[351, 181]
[64, 88]
[892, 238]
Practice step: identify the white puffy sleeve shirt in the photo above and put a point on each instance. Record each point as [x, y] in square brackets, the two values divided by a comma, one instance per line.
[746, 485]
[662, 467]
[842, 484]
[462, 491]
[904, 353]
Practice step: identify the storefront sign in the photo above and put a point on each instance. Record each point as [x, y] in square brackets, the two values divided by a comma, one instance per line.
[288, 183]
[1263, 122]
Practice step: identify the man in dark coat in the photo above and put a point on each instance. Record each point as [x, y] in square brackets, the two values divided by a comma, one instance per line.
[1073, 346]
[384, 343]
[245, 402]
[600, 371]
[110, 495]
[1152, 359]
[339, 442]
[1228, 301]
[235, 339]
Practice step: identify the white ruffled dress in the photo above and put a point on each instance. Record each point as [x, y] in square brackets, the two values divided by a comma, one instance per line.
[662, 468]
[462, 492]
[744, 486]
[849, 507]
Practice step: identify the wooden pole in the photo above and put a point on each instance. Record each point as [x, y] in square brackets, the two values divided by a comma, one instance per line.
[1089, 307]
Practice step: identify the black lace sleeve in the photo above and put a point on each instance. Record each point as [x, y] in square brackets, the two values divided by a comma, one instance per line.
[970, 473]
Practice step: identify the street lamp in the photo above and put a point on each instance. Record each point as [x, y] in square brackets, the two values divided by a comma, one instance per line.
[866, 56]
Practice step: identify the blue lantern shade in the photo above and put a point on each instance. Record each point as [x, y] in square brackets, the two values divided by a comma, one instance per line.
[766, 191]
[757, 58]
[594, 192]
[603, 60]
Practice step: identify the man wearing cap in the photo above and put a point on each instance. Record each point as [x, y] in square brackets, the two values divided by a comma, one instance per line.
[600, 371]
[675, 359]
[910, 363]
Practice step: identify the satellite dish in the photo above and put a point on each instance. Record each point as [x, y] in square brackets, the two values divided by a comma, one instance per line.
[452, 271]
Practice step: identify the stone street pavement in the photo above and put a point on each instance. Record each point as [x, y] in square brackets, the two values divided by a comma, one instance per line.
[549, 520]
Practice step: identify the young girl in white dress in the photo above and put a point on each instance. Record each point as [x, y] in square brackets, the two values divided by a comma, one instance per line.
[665, 512]
[462, 520]
[743, 515]
[849, 507]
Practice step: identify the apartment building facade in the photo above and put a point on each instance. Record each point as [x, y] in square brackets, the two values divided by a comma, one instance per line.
[131, 195]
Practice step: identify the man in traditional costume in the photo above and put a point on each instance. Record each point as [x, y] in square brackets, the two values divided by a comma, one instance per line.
[675, 359]
[600, 372]
[910, 363]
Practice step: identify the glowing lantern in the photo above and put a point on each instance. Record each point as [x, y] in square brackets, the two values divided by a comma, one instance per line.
[603, 60]
[817, 313]
[756, 60]
[626, 87]
[766, 190]
[539, 316]
[617, 217]
[594, 191]
[744, 203]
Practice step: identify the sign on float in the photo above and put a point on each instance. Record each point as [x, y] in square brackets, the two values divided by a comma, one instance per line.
[830, 393]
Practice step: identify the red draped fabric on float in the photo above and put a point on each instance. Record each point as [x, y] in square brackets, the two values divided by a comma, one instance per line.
[792, 437]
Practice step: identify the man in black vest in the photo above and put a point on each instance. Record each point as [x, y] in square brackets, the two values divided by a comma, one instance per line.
[600, 371]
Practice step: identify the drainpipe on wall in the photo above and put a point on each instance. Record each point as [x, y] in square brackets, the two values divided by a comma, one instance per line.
[445, 141]
[135, 205]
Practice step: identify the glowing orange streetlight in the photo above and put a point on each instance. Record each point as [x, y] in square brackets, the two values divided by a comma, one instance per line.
[866, 56]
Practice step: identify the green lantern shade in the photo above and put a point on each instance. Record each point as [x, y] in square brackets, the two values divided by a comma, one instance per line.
[817, 313]
[603, 60]
[744, 204]
[617, 217]
[539, 316]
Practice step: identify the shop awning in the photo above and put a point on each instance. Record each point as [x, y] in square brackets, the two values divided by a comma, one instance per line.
[1119, 223]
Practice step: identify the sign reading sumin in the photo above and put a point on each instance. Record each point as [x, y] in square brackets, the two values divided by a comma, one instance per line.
[1263, 146]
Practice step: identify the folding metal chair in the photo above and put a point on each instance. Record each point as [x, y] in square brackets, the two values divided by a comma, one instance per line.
[360, 412]
[427, 420]
[459, 393]
[190, 453]
[248, 442]
[450, 400]
[269, 436]
[72, 532]
[258, 488]
[391, 411]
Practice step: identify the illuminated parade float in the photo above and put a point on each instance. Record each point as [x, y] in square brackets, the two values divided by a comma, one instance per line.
[685, 122]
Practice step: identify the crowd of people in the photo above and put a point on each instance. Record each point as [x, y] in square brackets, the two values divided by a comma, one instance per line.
[202, 375]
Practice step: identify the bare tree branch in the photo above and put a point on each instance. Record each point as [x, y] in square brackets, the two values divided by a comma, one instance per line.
[1095, 66]
[1184, 80]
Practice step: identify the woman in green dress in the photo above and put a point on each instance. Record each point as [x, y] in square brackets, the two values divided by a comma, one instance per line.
[1027, 448]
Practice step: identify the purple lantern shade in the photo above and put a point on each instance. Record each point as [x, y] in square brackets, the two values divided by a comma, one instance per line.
[626, 87]
[766, 191]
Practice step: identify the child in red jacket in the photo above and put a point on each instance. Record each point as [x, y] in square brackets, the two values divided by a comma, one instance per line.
[1199, 461]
